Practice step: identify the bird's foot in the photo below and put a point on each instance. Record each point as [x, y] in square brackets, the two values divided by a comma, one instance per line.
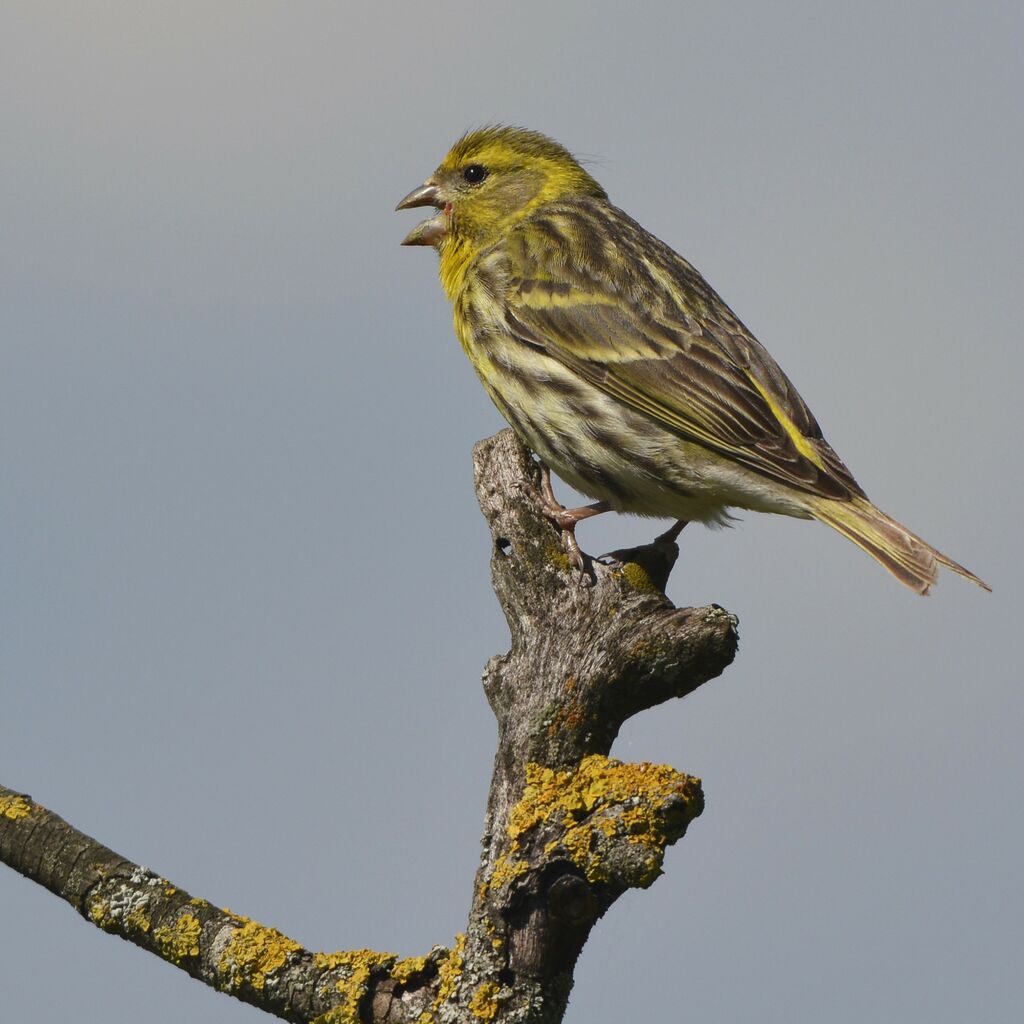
[577, 559]
[566, 519]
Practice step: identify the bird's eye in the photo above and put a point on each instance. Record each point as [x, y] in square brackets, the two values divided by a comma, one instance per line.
[475, 173]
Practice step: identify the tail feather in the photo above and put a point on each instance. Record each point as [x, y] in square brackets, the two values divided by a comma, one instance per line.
[914, 562]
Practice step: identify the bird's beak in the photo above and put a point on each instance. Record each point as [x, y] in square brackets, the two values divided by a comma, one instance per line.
[425, 195]
[431, 231]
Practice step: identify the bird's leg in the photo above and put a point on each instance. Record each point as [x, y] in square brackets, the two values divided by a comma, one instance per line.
[672, 533]
[567, 518]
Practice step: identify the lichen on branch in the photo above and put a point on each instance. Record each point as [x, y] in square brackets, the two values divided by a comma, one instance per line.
[567, 830]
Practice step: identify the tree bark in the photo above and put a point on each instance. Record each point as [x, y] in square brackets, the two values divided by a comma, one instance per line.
[567, 829]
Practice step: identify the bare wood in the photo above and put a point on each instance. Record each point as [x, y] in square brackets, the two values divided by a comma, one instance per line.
[567, 828]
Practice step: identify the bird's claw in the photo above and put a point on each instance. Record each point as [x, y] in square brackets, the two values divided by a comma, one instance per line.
[577, 559]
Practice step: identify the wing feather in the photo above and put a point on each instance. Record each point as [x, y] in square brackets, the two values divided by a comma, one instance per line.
[627, 314]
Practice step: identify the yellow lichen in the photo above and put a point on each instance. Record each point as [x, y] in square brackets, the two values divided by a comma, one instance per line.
[123, 911]
[180, 940]
[578, 843]
[449, 971]
[405, 970]
[255, 952]
[484, 1004]
[601, 798]
[337, 1015]
[353, 958]
[638, 578]
[505, 870]
[15, 807]
[555, 553]
[99, 913]
[362, 964]
[359, 965]
[634, 823]
[137, 918]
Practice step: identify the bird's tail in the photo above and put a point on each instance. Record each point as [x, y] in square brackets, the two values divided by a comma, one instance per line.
[914, 562]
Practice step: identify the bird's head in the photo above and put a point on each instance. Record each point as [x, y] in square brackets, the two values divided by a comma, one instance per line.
[491, 179]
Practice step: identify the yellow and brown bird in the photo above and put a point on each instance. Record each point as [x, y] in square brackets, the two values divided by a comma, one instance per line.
[619, 365]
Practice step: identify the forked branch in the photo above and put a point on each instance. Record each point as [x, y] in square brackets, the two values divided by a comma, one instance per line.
[567, 829]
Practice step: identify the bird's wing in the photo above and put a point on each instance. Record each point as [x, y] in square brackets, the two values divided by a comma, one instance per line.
[626, 313]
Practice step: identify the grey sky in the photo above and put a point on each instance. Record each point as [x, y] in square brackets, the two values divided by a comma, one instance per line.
[244, 593]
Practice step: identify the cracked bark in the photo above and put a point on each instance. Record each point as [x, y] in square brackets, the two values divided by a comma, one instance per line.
[567, 829]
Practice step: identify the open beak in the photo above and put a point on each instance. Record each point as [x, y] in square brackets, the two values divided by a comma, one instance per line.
[425, 195]
[431, 231]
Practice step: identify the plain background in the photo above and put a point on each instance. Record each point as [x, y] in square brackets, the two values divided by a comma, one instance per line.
[244, 585]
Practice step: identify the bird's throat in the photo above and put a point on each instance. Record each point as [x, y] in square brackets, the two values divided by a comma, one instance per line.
[456, 253]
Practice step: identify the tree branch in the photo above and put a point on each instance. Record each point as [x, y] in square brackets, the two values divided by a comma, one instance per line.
[567, 830]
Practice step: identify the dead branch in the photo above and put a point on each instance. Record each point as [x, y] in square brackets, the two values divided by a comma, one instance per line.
[567, 829]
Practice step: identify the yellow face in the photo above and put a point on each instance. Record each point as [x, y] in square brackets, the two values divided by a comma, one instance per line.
[489, 180]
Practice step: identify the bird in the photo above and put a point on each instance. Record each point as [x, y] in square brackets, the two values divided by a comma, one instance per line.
[619, 366]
